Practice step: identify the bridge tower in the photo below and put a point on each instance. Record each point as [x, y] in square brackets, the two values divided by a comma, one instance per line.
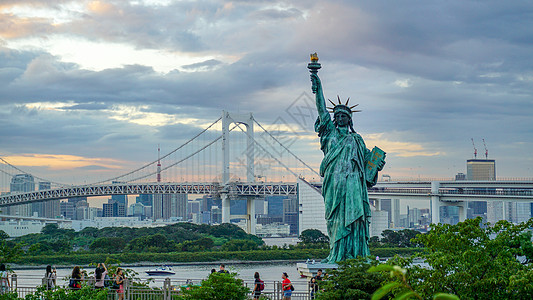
[247, 120]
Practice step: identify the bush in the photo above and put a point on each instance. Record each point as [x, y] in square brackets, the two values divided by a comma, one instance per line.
[351, 280]
[218, 286]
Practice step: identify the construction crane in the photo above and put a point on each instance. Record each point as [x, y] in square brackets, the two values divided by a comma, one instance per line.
[475, 150]
[486, 150]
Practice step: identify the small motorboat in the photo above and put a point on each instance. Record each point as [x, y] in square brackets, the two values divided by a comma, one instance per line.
[163, 270]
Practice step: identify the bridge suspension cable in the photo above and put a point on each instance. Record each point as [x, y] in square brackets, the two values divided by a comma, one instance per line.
[183, 159]
[287, 149]
[163, 157]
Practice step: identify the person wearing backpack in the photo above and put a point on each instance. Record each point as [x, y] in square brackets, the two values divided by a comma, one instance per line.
[286, 286]
[259, 285]
[50, 277]
[76, 278]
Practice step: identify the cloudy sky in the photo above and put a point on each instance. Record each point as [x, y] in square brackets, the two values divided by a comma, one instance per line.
[96, 85]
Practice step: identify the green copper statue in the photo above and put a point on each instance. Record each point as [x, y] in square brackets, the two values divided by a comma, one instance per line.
[348, 168]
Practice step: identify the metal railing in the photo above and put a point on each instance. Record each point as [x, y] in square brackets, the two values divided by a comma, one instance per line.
[134, 291]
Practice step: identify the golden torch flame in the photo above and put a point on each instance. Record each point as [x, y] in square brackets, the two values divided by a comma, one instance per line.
[314, 57]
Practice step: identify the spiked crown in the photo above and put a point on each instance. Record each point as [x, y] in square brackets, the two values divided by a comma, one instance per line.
[342, 107]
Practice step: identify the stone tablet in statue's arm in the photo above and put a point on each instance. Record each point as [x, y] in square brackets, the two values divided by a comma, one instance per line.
[374, 164]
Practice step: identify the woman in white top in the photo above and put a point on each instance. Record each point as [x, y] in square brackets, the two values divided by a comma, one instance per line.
[99, 275]
[50, 278]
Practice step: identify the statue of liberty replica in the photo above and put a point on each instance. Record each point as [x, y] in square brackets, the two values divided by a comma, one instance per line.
[348, 169]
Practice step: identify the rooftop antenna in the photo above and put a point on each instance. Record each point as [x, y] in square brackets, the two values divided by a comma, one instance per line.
[486, 150]
[475, 150]
[158, 164]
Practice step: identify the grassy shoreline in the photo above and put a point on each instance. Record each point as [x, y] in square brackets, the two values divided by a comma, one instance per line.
[183, 258]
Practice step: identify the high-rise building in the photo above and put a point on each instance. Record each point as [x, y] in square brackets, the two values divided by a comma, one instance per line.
[50, 208]
[275, 205]
[495, 211]
[311, 209]
[21, 183]
[216, 215]
[519, 212]
[82, 210]
[291, 213]
[166, 206]
[481, 169]
[178, 206]
[379, 222]
[386, 205]
[145, 199]
[67, 210]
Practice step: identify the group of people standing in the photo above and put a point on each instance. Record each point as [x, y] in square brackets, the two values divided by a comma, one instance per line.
[101, 279]
[286, 285]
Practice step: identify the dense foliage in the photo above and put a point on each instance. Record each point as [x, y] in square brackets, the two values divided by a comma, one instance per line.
[177, 237]
[474, 261]
[391, 238]
[351, 281]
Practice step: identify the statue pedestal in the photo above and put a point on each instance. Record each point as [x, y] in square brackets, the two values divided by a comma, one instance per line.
[309, 269]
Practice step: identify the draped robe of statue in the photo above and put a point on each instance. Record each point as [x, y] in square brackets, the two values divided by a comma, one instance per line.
[344, 189]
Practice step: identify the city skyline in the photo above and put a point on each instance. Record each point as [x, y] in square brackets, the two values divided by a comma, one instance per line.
[92, 87]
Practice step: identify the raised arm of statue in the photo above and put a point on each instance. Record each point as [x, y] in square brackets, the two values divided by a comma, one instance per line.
[316, 87]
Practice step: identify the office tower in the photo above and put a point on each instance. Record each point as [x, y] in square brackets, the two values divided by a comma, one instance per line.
[275, 205]
[481, 169]
[414, 217]
[380, 222]
[21, 183]
[161, 208]
[238, 207]
[209, 201]
[477, 209]
[290, 213]
[113, 209]
[82, 210]
[518, 212]
[449, 214]
[495, 211]
[178, 206]
[193, 207]
[67, 210]
[145, 199]
[311, 209]
[216, 215]
[386, 205]
[395, 212]
[50, 208]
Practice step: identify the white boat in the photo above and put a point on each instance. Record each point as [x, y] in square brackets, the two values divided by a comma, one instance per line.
[163, 270]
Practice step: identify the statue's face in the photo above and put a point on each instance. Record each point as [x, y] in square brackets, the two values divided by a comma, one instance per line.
[342, 119]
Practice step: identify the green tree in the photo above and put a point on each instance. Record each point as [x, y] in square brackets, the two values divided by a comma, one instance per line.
[218, 286]
[239, 245]
[311, 236]
[108, 244]
[351, 281]
[197, 245]
[474, 261]
[400, 238]
[152, 243]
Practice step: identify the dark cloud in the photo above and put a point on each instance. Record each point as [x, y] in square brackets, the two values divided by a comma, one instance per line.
[430, 74]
